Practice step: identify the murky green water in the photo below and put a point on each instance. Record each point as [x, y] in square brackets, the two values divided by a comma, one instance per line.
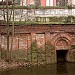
[54, 69]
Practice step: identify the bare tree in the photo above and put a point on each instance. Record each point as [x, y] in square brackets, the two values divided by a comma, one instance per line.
[7, 54]
[3, 10]
[12, 30]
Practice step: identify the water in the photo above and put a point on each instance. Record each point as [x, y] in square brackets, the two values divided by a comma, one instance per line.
[52, 69]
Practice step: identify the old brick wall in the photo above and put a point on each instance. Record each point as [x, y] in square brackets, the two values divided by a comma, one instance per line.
[59, 36]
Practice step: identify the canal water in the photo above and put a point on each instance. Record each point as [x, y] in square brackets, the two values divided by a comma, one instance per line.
[50, 69]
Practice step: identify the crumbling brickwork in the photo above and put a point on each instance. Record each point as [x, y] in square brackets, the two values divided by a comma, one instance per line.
[61, 37]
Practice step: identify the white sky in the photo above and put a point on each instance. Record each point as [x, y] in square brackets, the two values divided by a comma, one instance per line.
[1, 0]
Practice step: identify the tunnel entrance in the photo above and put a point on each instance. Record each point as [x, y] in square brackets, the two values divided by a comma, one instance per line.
[61, 56]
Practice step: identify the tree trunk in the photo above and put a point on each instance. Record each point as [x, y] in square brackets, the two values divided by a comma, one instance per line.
[7, 53]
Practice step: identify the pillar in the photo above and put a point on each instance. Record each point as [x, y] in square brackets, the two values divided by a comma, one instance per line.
[73, 2]
[51, 2]
[47, 2]
[54, 2]
[43, 2]
[70, 2]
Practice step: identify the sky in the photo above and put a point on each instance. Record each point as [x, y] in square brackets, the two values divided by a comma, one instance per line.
[1, 0]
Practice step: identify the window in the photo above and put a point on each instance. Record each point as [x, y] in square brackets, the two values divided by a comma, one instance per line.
[61, 2]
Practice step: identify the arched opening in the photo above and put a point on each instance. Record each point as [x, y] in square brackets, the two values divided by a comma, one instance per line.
[62, 41]
[62, 48]
[61, 56]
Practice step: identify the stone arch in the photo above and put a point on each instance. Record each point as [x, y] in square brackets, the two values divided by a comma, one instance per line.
[61, 41]
[58, 41]
[61, 36]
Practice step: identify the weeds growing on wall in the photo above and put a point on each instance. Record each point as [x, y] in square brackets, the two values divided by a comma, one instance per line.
[50, 53]
[44, 54]
[73, 53]
[72, 46]
[2, 54]
[34, 54]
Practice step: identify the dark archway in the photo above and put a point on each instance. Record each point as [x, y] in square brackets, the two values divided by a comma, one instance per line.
[61, 56]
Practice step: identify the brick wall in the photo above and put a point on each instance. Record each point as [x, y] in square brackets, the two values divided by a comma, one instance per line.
[59, 36]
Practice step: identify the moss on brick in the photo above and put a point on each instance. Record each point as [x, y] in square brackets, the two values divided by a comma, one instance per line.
[72, 46]
[35, 7]
[52, 20]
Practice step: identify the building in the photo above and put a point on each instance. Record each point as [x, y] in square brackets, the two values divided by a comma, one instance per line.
[41, 43]
[45, 2]
[26, 2]
[54, 2]
[23, 2]
[30, 2]
[57, 2]
[36, 39]
[48, 2]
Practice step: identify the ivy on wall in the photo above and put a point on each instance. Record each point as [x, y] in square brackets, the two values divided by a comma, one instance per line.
[34, 54]
[73, 53]
[50, 53]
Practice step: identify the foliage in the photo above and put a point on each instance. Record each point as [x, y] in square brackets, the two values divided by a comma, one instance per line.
[34, 50]
[69, 6]
[18, 55]
[34, 46]
[50, 51]
[34, 54]
[37, 53]
[49, 46]
[73, 46]
[36, 23]
[2, 53]
[52, 20]
[36, 7]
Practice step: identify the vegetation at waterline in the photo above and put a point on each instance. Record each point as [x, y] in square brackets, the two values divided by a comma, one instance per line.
[34, 54]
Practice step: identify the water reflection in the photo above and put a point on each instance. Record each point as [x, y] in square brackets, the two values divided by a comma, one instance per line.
[62, 69]
[50, 69]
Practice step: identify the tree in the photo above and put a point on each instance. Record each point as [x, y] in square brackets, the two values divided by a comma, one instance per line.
[7, 54]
